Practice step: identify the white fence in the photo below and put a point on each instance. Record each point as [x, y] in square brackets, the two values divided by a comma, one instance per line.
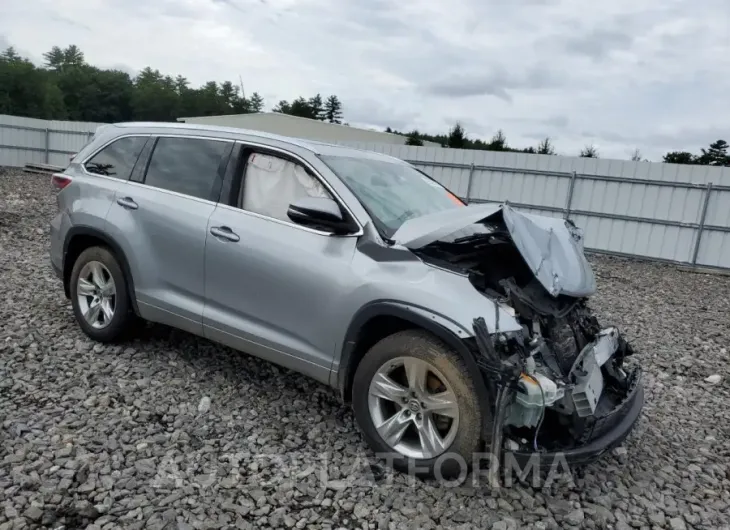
[651, 210]
[669, 212]
[29, 140]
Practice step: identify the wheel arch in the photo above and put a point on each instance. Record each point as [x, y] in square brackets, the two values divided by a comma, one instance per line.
[380, 319]
[78, 239]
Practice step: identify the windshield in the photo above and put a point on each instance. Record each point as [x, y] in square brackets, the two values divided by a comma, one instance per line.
[391, 193]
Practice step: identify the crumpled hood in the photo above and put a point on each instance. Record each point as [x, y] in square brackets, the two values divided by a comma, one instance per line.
[551, 247]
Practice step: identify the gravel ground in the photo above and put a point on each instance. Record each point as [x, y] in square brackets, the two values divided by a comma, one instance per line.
[172, 431]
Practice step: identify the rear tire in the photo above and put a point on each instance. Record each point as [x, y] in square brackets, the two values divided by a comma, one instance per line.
[434, 428]
[99, 295]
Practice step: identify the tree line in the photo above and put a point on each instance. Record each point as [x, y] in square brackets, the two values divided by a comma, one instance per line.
[457, 138]
[715, 155]
[66, 87]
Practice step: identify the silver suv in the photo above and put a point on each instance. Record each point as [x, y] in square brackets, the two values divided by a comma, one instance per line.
[452, 330]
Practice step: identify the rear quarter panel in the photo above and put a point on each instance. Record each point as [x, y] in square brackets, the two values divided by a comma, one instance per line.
[83, 203]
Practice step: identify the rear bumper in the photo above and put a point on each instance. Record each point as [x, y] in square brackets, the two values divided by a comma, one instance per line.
[591, 451]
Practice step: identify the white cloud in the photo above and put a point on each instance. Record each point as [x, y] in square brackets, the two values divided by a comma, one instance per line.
[619, 74]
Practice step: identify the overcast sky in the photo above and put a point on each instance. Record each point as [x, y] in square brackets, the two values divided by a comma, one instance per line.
[621, 74]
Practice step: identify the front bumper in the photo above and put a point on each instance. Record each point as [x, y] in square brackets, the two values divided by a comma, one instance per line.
[624, 420]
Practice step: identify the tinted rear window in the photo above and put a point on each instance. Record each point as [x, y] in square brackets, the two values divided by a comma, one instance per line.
[186, 165]
[118, 158]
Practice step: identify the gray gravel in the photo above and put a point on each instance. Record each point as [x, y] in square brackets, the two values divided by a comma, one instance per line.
[172, 431]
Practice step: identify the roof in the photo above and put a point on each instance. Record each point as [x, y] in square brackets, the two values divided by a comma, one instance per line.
[281, 115]
[316, 147]
[253, 119]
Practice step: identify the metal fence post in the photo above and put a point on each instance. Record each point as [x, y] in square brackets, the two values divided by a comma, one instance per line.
[48, 145]
[703, 215]
[569, 198]
[468, 183]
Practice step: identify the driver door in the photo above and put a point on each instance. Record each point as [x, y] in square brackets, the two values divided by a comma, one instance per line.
[271, 285]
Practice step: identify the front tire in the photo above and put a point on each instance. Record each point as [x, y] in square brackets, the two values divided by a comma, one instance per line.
[415, 402]
[99, 295]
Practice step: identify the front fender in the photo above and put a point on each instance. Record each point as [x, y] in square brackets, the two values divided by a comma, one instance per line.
[452, 333]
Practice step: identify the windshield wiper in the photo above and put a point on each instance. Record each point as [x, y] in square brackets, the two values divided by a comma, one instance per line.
[472, 237]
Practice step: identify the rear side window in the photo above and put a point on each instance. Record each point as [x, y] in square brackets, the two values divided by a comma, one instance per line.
[186, 165]
[118, 158]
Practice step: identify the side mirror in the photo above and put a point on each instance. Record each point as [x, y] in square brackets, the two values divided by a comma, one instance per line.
[321, 213]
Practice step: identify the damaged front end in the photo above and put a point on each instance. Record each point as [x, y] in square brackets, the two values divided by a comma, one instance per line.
[560, 384]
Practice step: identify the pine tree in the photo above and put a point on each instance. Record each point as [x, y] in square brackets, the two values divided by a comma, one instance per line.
[11, 55]
[181, 84]
[256, 103]
[300, 107]
[316, 107]
[716, 155]
[679, 157]
[545, 147]
[414, 139]
[73, 56]
[457, 137]
[228, 93]
[282, 107]
[54, 58]
[333, 110]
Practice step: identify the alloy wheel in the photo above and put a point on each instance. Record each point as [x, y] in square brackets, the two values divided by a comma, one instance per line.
[413, 408]
[96, 294]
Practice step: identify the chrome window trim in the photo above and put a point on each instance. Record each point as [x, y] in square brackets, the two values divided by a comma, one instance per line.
[245, 143]
[287, 223]
[142, 184]
[147, 135]
[87, 174]
[171, 192]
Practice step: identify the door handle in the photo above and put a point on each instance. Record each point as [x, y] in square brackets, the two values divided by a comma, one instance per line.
[128, 203]
[224, 232]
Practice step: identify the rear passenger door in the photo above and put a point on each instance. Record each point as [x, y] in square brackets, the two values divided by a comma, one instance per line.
[160, 220]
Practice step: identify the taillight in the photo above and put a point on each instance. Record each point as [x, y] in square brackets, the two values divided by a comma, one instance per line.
[60, 181]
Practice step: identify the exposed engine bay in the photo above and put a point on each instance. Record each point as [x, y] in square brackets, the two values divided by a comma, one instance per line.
[558, 382]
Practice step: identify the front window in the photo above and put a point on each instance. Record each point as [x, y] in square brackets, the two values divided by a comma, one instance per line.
[391, 192]
[272, 183]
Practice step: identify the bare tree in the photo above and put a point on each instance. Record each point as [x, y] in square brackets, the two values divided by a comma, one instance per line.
[589, 151]
[498, 142]
[636, 156]
[545, 147]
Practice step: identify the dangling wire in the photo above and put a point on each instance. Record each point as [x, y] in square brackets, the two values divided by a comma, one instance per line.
[542, 414]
